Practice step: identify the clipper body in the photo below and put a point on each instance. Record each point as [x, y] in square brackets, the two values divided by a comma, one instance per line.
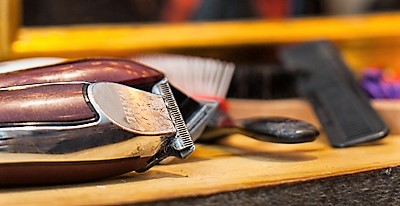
[103, 129]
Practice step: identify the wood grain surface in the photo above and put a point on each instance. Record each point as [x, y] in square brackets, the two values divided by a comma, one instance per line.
[236, 163]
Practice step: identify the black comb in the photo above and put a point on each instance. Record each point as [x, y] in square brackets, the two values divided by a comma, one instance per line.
[326, 81]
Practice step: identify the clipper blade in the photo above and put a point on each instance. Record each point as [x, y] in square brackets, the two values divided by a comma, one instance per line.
[183, 143]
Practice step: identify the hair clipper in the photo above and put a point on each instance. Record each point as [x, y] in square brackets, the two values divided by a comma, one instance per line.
[76, 131]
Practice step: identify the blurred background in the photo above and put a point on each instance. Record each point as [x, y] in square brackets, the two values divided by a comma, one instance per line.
[247, 33]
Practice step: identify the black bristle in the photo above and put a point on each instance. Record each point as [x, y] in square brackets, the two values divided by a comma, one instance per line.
[262, 81]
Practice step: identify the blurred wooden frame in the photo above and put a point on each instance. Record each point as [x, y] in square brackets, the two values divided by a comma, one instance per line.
[9, 24]
[360, 37]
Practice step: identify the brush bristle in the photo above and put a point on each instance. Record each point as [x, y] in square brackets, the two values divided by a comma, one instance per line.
[197, 76]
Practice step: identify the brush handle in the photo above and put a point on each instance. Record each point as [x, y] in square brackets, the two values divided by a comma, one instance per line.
[279, 130]
[46, 104]
[90, 70]
[268, 129]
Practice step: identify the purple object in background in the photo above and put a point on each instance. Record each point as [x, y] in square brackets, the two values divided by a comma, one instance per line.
[370, 82]
[377, 87]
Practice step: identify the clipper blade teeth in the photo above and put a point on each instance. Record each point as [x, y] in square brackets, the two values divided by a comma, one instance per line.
[184, 140]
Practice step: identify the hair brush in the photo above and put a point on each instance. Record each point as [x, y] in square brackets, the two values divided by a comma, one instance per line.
[207, 78]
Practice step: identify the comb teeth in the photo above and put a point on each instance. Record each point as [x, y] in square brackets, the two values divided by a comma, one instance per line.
[183, 140]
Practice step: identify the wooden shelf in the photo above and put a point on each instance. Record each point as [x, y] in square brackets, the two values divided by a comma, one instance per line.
[207, 34]
[238, 164]
[9, 23]
[359, 37]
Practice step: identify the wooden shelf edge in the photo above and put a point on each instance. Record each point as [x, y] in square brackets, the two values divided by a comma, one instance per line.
[124, 39]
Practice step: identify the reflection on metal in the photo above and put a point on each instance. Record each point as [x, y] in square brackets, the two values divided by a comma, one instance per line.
[139, 146]
[132, 109]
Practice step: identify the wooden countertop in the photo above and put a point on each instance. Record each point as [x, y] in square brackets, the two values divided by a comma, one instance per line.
[238, 163]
